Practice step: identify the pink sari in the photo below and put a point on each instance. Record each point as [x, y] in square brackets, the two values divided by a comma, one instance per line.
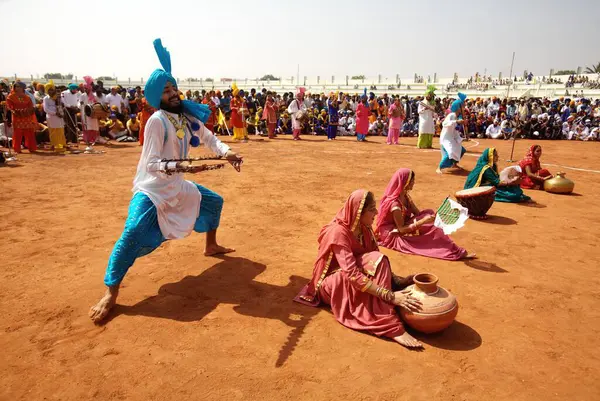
[344, 268]
[428, 240]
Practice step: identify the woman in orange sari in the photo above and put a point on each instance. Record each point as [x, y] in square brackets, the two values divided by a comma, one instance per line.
[212, 119]
[24, 121]
[532, 173]
[355, 279]
[145, 115]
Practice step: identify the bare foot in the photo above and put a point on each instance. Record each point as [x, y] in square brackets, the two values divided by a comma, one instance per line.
[408, 341]
[217, 250]
[101, 309]
[470, 256]
[438, 171]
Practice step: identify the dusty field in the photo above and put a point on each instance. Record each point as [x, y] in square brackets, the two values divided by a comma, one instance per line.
[189, 327]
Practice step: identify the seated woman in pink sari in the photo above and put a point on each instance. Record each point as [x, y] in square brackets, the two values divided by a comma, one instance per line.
[355, 279]
[532, 173]
[401, 226]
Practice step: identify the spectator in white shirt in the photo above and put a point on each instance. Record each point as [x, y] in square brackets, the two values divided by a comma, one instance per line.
[70, 100]
[493, 130]
[114, 99]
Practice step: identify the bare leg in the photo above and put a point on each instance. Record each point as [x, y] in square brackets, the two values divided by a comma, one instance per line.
[408, 341]
[212, 248]
[101, 309]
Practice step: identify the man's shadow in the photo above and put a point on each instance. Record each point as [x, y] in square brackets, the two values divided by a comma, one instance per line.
[230, 281]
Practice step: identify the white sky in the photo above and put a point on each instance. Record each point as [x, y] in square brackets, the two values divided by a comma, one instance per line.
[245, 38]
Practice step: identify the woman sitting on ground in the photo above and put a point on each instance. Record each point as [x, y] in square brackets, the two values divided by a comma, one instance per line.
[533, 175]
[355, 279]
[401, 226]
[485, 173]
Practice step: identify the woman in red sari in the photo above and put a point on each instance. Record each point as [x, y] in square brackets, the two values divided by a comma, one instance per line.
[146, 113]
[355, 279]
[532, 173]
[401, 226]
[212, 119]
[24, 121]
[270, 116]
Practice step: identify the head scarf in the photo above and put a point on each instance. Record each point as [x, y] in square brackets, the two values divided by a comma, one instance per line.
[159, 78]
[531, 160]
[364, 96]
[485, 162]
[339, 232]
[394, 189]
[73, 87]
[457, 104]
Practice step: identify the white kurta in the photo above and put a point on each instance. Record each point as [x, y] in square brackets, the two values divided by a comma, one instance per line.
[90, 124]
[52, 119]
[450, 137]
[293, 108]
[177, 201]
[426, 123]
[493, 131]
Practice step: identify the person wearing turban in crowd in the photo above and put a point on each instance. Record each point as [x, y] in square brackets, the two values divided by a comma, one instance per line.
[426, 110]
[165, 206]
[54, 118]
[450, 139]
[24, 122]
[238, 111]
[295, 106]
[91, 94]
[70, 99]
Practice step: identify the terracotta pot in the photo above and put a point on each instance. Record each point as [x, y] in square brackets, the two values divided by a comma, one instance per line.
[559, 184]
[439, 306]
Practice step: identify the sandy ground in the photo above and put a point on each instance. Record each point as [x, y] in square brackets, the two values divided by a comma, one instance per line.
[189, 327]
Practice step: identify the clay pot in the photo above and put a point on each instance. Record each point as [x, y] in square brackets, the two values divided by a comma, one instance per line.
[439, 306]
[559, 184]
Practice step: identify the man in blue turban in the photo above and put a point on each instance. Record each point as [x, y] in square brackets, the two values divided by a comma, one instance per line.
[164, 205]
[450, 139]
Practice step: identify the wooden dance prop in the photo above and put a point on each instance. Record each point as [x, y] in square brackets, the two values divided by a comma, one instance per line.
[477, 200]
[173, 166]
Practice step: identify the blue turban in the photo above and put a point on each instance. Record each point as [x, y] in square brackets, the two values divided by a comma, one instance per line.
[458, 102]
[159, 78]
[364, 95]
[73, 87]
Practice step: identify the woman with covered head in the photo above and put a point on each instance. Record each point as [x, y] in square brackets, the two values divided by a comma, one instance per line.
[533, 175]
[362, 118]
[485, 173]
[355, 279]
[450, 139]
[401, 226]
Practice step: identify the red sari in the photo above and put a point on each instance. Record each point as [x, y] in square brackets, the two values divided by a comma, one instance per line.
[429, 240]
[271, 117]
[534, 165]
[237, 119]
[146, 113]
[24, 122]
[212, 119]
[344, 268]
